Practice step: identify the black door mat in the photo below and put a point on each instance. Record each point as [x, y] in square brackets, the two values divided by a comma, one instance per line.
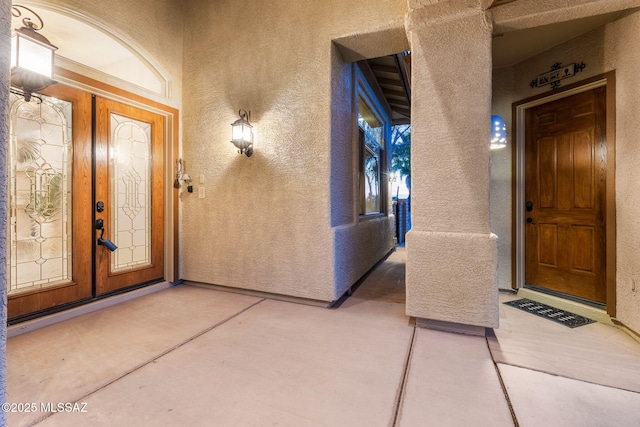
[565, 318]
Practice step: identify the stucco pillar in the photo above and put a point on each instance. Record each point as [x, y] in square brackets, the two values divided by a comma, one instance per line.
[5, 52]
[451, 252]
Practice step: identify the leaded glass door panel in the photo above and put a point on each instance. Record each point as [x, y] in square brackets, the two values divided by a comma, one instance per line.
[129, 183]
[66, 154]
[49, 227]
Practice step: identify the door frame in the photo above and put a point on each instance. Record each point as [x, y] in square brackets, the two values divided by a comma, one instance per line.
[171, 195]
[518, 181]
[171, 154]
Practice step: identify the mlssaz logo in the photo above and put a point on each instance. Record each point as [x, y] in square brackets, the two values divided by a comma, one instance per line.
[64, 407]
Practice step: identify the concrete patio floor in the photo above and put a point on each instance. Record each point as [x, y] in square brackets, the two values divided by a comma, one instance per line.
[193, 356]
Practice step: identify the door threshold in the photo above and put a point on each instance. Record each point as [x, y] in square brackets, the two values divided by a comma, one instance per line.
[61, 316]
[587, 310]
[567, 297]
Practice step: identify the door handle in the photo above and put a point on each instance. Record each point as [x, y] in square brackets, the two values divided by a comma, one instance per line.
[101, 240]
[530, 220]
[529, 206]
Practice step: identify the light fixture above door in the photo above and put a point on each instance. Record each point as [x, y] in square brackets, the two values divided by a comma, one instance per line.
[32, 55]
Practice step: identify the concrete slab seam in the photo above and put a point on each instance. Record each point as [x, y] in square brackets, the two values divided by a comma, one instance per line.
[153, 359]
[542, 371]
[502, 384]
[405, 376]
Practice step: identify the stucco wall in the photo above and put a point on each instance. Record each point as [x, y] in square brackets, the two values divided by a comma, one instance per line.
[266, 222]
[451, 254]
[623, 54]
[5, 60]
[358, 242]
[615, 46]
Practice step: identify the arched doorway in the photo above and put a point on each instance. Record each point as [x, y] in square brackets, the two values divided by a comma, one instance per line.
[88, 160]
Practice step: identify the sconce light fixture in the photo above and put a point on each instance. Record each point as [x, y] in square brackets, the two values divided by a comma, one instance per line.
[242, 134]
[31, 55]
[498, 133]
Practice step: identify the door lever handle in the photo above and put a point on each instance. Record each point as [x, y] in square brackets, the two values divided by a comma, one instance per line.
[101, 240]
[107, 243]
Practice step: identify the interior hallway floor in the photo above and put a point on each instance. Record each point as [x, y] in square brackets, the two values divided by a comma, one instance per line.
[192, 356]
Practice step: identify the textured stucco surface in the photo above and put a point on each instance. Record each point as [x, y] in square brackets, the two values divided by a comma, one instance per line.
[533, 13]
[359, 247]
[265, 222]
[622, 39]
[450, 188]
[5, 28]
[358, 243]
[390, 39]
[615, 46]
[451, 277]
[451, 254]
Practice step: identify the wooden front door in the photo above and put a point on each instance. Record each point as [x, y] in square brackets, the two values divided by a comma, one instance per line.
[129, 195]
[58, 173]
[565, 195]
[50, 223]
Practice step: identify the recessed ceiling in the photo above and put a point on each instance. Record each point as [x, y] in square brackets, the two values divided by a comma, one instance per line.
[516, 46]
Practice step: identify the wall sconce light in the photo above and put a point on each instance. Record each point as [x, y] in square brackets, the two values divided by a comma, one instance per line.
[31, 56]
[498, 133]
[242, 134]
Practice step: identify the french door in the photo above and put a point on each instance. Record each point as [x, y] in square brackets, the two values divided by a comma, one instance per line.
[129, 195]
[82, 168]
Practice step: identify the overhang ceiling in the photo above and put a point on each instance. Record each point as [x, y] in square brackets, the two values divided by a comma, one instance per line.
[390, 78]
[516, 46]
[391, 75]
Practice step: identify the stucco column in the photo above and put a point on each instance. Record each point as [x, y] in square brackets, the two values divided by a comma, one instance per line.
[451, 252]
[5, 60]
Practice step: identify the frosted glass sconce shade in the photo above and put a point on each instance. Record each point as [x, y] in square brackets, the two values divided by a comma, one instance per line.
[31, 55]
[242, 134]
[498, 133]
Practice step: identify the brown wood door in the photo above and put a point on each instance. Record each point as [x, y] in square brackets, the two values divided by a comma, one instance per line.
[129, 183]
[565, 186]
[56, 167]
[50, 228]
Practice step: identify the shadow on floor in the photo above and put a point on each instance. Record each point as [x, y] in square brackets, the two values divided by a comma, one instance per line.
[386, 282]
